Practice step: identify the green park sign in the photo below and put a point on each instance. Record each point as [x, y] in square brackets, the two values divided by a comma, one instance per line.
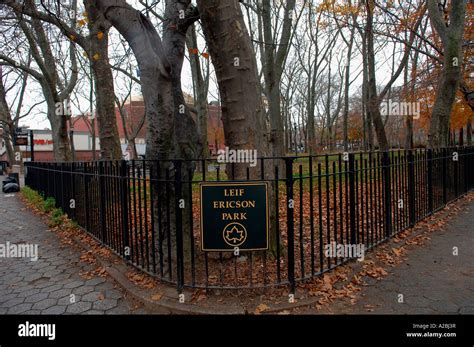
[234, 215]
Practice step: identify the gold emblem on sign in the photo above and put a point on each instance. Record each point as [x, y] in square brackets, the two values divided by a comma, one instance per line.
[234, 234]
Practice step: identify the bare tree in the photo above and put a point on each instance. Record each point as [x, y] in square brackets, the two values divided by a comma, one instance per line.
[55, 90]
[95, 44]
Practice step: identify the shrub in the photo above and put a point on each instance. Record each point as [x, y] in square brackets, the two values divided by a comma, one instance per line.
[49, 204]
[56, 217]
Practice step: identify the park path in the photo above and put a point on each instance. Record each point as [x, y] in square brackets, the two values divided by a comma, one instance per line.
[432, 280]
[45, 286]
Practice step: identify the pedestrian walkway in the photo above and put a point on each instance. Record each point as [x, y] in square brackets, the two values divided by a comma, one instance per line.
[433, 280]
[52, 284]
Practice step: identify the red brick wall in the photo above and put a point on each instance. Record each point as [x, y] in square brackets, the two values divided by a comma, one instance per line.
[48, 156]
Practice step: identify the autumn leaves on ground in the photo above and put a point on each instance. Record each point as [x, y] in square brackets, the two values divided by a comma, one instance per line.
[332, 292]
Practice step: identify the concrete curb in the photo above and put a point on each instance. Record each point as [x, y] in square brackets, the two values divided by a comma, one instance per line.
[168, 303]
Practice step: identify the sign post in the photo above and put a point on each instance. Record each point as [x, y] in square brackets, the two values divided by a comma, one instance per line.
[32, 146]
[234, 216]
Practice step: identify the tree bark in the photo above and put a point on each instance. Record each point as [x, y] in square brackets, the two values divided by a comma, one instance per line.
[174, 41]
[345, 112]
[109, 139]
[274, 60]
[200, 86]
[171, 132]
[451, 38]
[373, 110]
[236, 70]
[6, 122]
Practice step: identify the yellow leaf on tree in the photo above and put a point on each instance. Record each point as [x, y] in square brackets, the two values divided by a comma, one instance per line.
[72, 37]
[100, 35]
[81, 22]
[96, 56]
[205, 55]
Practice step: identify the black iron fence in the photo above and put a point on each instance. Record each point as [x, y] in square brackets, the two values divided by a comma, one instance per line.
[318, 203]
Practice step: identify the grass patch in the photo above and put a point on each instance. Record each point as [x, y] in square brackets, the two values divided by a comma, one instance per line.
[32, 196]
[56, 218]
[48, 206]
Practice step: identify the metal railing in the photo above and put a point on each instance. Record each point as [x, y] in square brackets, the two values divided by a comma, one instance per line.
[317, 201]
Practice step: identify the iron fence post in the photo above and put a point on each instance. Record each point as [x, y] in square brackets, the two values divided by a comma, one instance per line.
[103, 225]
[411, 188]
[290, 222]
[72, 176]
[430, 180]
[444, 154]
[470, 168]
[85, 180]
[124, 208]
[179, 227]
[352, 199]
[465, 160]
[456, 172]
[26, 175]
[387, 193]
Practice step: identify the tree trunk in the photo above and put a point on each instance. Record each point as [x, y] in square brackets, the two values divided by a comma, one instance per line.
[174, 42]
[171, 132]
[200, 87]
[274, 61]
[242, 111]
[452, 38]
[236, 70]
[310, 107]
[187, 139]
[59, 130]
[109, 140]
[410, 95]
[6, 122]
[373, 105]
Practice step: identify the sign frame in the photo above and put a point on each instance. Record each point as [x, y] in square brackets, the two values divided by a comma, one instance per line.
[232, 183]
[23, 142]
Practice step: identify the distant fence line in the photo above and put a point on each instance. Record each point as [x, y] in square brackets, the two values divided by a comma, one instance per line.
[361, 198]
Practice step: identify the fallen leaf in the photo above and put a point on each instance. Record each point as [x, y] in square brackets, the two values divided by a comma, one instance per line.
[260, 308]
[156, 297]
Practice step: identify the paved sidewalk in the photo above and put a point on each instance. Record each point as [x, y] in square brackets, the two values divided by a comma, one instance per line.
[432, 280]
[45, 286]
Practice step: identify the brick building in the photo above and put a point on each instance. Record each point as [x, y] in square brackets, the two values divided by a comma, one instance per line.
[133, 109]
